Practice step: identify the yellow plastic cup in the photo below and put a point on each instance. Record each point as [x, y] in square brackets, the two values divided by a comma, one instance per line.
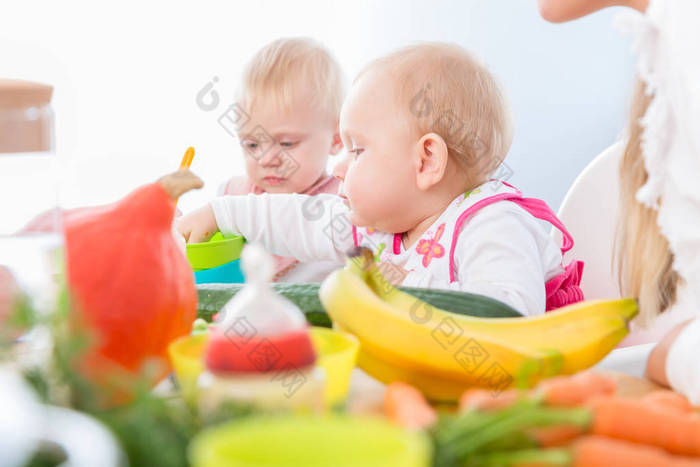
[336, 351]
[187, 357]
[340, 441]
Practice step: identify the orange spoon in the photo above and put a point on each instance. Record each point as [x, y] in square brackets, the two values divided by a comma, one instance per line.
[187, 158]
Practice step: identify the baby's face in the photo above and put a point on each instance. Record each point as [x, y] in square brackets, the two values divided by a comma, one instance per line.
[377, 172]
[286, 150]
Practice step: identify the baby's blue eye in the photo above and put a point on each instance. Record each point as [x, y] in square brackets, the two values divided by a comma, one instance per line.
[288, 144]
[356, 152]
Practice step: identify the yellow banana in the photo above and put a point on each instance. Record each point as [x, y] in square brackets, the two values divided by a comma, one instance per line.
[403, 338]
[556, 329]
[435, 385]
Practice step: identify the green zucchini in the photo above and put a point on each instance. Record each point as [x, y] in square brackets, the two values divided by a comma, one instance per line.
[212, 297]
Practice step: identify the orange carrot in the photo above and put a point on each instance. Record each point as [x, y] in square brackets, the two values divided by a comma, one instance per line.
[597, 451]
[406, 406]
[559, 391]
[483, 399]
[670, 400]
[570, 391]
[552, 436]
[640, 422]
[589, 451]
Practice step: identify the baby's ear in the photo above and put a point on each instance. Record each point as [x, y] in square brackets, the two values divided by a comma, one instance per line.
[336, 144]
[431, 161]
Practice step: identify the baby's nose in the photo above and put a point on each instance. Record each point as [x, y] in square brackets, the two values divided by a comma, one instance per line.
[270, 158]
[341, 167]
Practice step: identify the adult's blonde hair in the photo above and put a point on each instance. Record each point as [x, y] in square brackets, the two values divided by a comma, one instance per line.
[645, 261]
[282, 68]
[443, 89]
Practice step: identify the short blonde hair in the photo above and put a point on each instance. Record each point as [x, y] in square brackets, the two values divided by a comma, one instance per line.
[282, 66]
[445, 90]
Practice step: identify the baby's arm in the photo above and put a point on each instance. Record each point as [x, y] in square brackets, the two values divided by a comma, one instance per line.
[498, 255]
[673, 362]
[301, 226]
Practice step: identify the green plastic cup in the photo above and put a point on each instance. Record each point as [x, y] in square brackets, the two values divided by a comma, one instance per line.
[340, 441]
[214, 253]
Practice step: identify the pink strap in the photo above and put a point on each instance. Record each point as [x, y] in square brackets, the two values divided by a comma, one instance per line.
[540, 210]
[397, 243]
[536, 207]
[354, 236]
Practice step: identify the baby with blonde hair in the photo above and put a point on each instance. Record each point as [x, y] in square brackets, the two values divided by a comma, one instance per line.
[424, 129]
[290, 95]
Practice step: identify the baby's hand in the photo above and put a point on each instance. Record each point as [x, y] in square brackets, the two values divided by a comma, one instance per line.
[198, 226]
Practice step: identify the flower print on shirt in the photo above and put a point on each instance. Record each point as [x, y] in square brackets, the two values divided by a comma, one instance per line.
[368, 231]
[431, 248]
[378, 253]
[467, 194]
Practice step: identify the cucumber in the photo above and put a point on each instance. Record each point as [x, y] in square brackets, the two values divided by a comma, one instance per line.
[463, 303]
[212, 297]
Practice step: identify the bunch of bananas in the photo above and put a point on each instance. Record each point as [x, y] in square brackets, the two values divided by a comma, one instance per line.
[405, 339]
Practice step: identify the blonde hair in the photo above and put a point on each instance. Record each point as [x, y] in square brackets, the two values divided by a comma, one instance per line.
[645, 262]
[445, 90]
[282, 66]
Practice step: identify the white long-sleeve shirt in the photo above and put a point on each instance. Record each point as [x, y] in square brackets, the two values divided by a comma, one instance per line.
[502, 251]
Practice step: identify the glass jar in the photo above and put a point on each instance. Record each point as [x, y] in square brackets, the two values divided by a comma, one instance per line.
[30, 228]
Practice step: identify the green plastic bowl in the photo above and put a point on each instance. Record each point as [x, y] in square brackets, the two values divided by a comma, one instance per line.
[214, 253]
[340, 441]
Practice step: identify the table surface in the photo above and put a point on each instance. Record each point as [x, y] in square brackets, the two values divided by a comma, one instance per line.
[366, 394]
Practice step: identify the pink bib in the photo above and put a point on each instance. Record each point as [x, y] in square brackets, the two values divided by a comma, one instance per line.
[561, 290]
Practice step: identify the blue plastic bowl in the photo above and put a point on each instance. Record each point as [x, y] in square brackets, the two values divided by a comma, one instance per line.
[228, 273]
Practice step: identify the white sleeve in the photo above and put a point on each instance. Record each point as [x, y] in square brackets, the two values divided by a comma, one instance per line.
[221, 191]
[308, 228]
[503, 253]
[682, 366]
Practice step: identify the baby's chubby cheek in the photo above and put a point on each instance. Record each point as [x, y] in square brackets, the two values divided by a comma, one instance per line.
[367, 210]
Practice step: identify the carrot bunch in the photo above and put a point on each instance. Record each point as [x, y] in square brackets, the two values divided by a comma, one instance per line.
[586, 451]
[565, 421]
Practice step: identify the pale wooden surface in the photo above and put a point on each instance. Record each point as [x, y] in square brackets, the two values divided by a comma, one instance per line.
[632, 386]
[366, 394]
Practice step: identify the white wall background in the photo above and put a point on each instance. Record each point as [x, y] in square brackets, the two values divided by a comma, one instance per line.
[127, 73]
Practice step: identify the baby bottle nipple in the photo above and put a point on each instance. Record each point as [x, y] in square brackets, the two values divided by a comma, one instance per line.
[257, 305]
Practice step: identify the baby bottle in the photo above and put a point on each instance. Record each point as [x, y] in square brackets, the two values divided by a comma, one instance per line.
[259, 349]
